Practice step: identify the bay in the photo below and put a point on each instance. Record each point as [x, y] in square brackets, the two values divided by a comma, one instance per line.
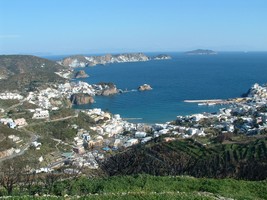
[184, 77]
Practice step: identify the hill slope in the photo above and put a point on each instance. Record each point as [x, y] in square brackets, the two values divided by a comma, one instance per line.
[187, 157]
[24, 72]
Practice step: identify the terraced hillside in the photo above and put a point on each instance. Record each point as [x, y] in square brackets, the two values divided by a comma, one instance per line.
[187, 157]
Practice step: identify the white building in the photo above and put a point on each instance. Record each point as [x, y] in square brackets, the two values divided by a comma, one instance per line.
[146, 139]
[140, 134]
[130, 142]
[40, 114]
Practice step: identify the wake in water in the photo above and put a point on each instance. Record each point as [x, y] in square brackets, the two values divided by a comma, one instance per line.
[127, 91]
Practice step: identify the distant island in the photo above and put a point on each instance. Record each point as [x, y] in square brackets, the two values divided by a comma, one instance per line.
[201, 52]
[85, 61]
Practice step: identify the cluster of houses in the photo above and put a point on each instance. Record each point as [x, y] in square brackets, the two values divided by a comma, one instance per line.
[8, 152]
[12, 150]
[9, 95]
[13, 123]
[42, 98]
[112, 124]
[39, 113]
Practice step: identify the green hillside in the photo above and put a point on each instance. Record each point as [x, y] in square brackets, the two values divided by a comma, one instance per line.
[23, 72]
[186, 157]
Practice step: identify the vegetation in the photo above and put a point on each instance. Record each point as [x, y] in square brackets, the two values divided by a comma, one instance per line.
[8, 103]
[62, 129]
[5, 142]
[143, 187]
[246, 160]
[62, 113]
[23, 72]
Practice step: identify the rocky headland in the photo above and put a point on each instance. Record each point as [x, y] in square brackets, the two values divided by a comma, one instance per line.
[81, 98]
[85, 61]
[107, 89]
[81, 74]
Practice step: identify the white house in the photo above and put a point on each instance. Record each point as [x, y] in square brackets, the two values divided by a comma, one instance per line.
[12, 125]
[140, 134]
[130, 142]
[36, 144]
[146, 139]
[20, 122]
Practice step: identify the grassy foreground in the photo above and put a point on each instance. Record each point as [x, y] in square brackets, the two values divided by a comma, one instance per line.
[153, 187]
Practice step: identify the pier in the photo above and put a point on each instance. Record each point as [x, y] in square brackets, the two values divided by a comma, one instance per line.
[211, 102]
[204, 101]
[132, 119]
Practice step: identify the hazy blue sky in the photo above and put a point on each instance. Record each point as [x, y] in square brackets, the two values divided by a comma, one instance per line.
[101, 26]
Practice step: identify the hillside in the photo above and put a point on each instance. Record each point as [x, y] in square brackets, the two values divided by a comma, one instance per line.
[246, 160]
[24, 72]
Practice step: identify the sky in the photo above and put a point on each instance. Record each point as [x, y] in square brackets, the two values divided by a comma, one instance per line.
[58, 27]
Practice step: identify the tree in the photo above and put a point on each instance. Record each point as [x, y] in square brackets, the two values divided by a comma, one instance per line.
[10, 175]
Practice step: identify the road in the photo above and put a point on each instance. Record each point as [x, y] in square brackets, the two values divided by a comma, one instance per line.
[33, 138]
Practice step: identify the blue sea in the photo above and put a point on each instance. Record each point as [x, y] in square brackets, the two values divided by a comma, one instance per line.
[184, 77]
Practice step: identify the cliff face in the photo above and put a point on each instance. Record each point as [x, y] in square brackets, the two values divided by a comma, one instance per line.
[84, 61]
[81, 98]
[107, 89]
[81, 74]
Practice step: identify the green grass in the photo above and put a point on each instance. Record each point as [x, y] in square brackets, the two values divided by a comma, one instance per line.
[8, 103]
[62, 129]
[158, 187]
[61, 113]
[7, 143]
[129, 196]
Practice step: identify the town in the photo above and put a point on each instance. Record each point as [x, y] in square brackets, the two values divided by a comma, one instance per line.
[109, 133]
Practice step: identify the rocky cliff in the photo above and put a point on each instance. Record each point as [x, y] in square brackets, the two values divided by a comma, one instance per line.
[106, 89]
[81, 98]
[161, 57]
[81, 74]
[84, 61]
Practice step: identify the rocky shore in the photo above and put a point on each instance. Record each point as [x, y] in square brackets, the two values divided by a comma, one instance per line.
[81, 74]
[81, 98]
[107, 89]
